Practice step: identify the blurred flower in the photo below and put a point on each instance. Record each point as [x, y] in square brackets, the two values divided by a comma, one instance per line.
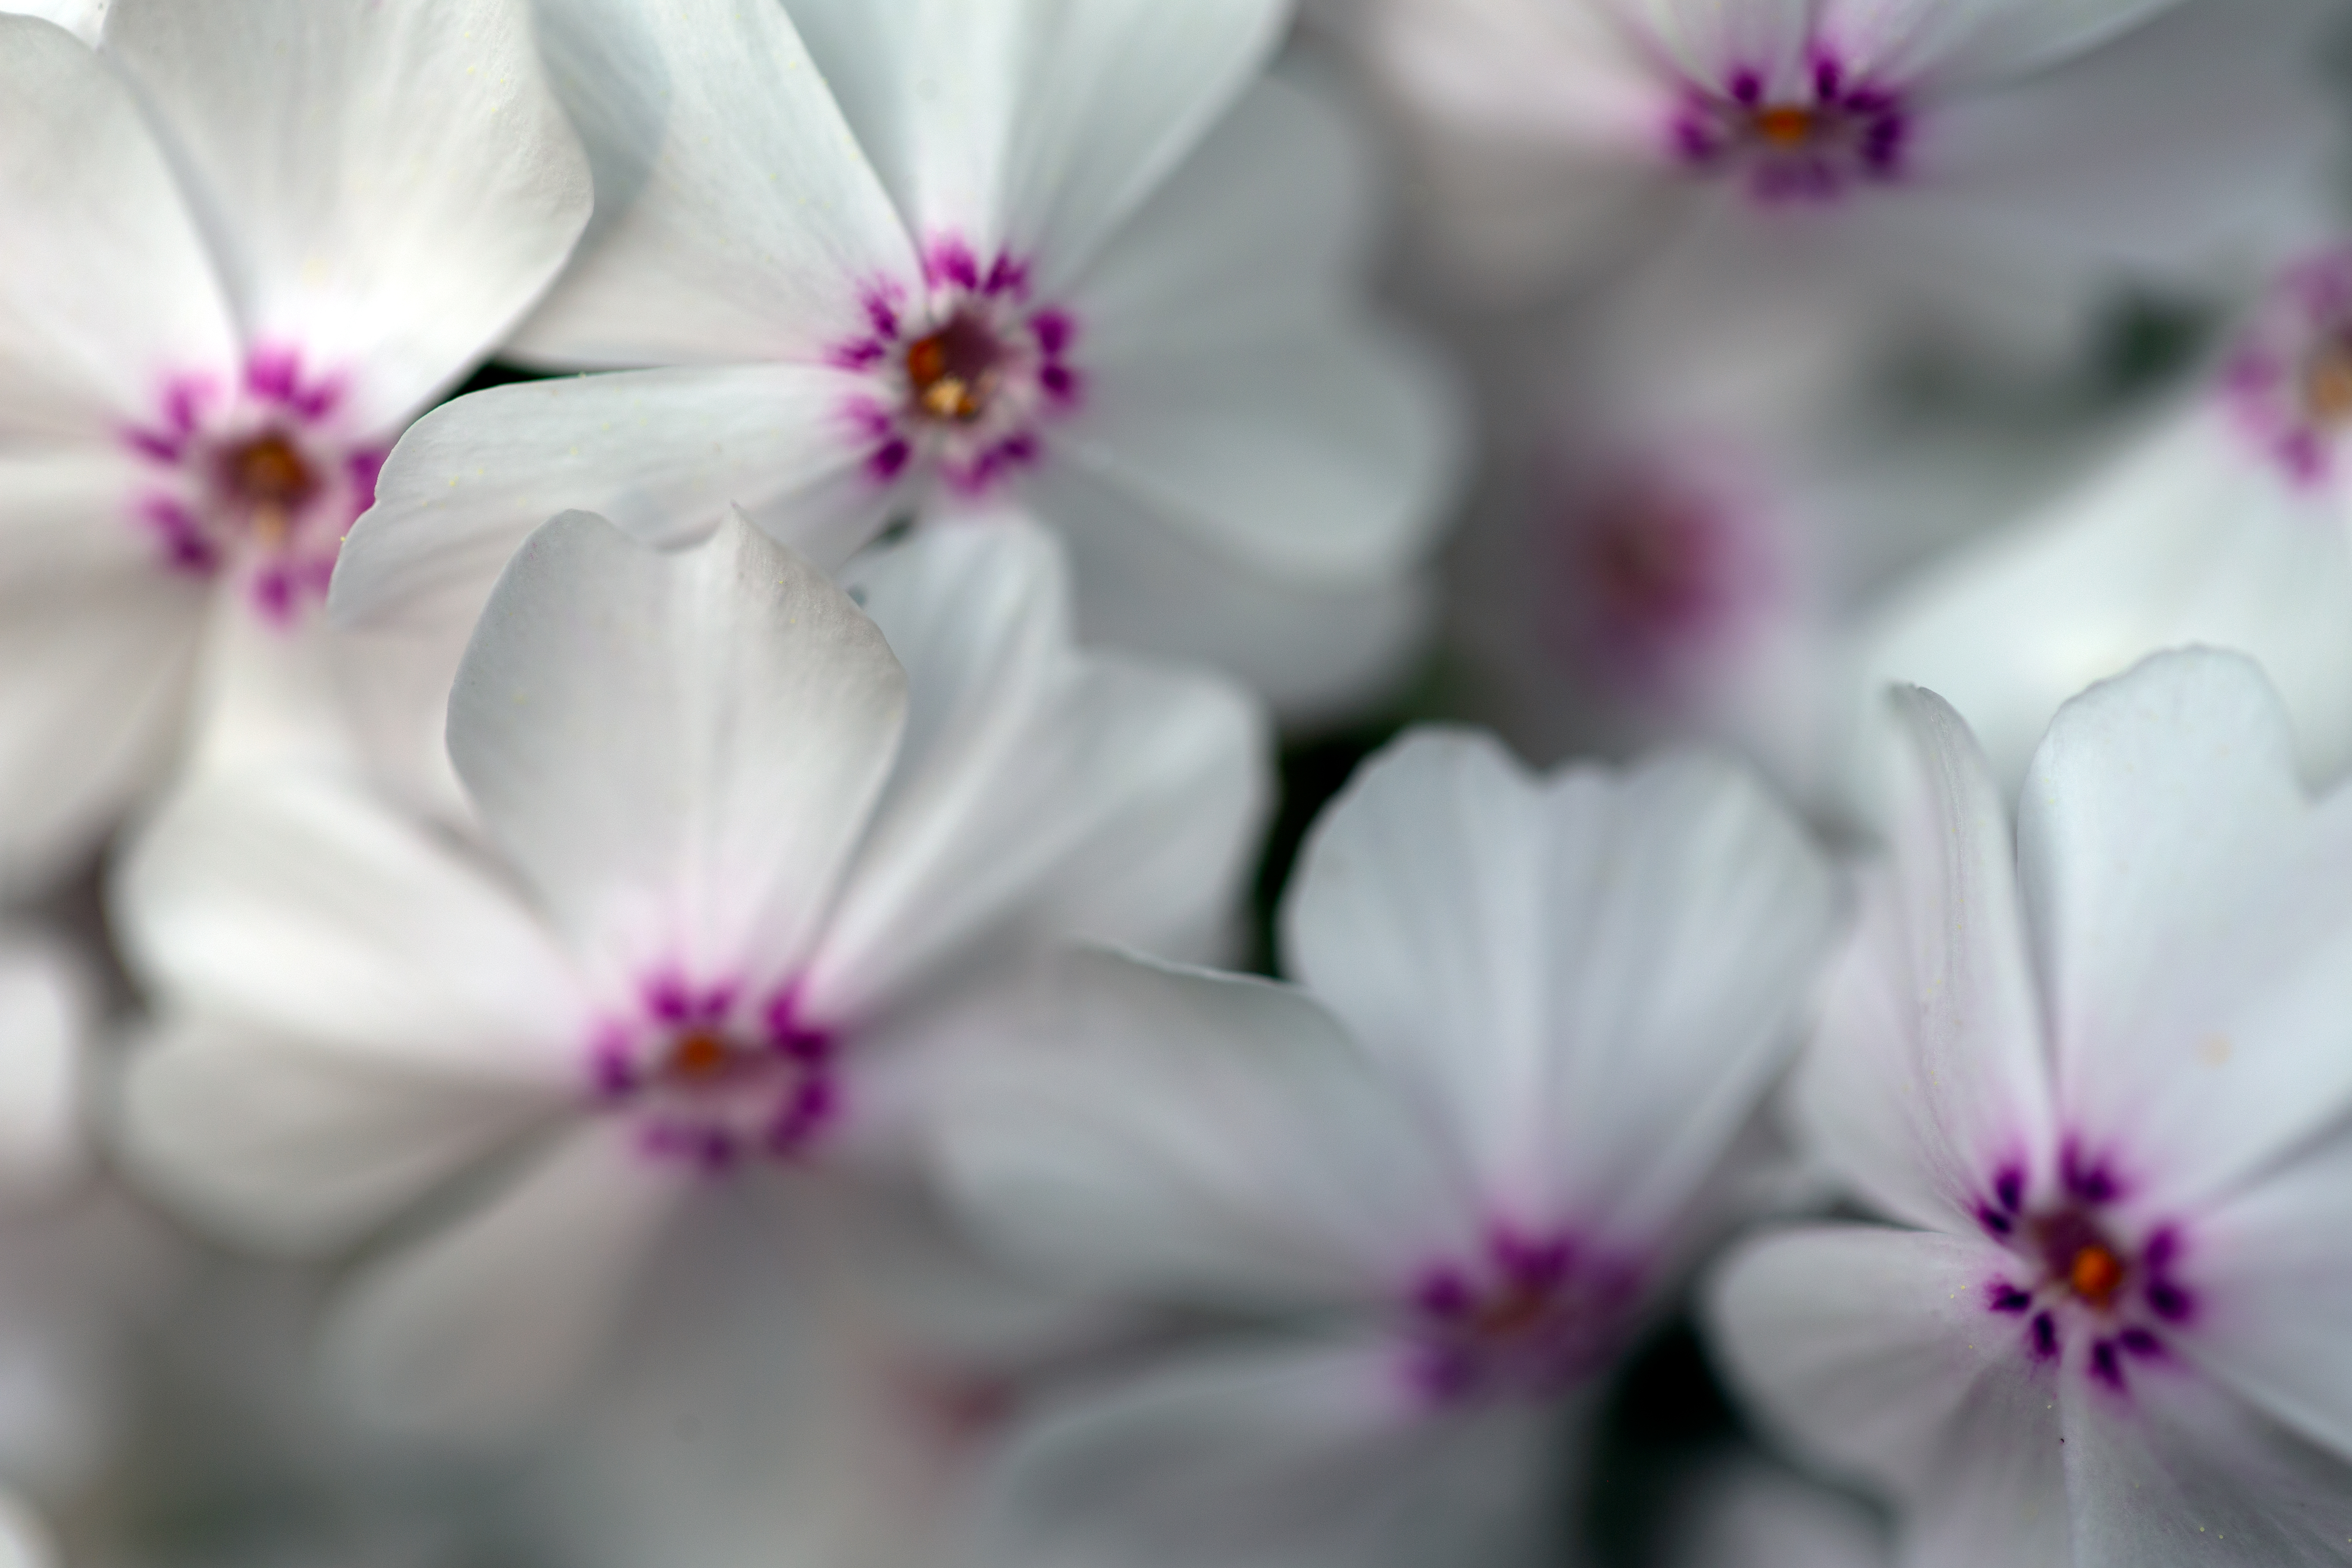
[233, 284]
[1852, 164]
[1468, 1159]
[750, 855]
[2228, 523]
[908, 259]
[2105, 1072]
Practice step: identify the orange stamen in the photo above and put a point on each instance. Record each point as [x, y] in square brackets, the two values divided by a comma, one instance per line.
[1786, 125]
[2097, 1274]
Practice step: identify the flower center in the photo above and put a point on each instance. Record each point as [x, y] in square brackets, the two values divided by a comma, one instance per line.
[1794, 148]
[2327, 380]
[1784, 125]
[258, 484]
[952, 373]
[2080, 1278]
[964, 379]
[710, 1083]
[1527, 1319]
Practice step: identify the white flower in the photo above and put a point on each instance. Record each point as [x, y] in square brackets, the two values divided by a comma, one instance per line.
[747, 854]
[1465, 1161]
[2106, 1075]
[906, 255]
[2228, 523]
[1983, 159]
[83, 18]
[234, 281]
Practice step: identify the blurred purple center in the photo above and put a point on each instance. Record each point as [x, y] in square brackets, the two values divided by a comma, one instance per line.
[713, 1084]
[1811, 144]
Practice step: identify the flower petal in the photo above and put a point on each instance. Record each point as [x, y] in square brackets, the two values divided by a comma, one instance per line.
[106, 293]
[1318, 654]
[2273, 1285]
[1874, 1351]
[1312, 1454]
[1321, 455]
[1154, 1130]
[1594, 976]
[94, 679]
[481, 1329]
[388, 188]
[2189, 538]
[292, 1146]
[305, 910]
[2181, 1471]
[1931, 1079]
[680, 751]
[1043, 794]
[47, 1007]
[737, 217]
[2193, 918]
[1229, 381]
[1036, 126]
[661, 454]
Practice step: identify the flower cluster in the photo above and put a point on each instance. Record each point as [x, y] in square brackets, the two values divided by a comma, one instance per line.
[1237, 783]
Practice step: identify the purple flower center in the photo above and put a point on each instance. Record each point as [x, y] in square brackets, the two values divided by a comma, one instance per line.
[713, 1083]
[261, 483]
[964, 383]
[1810, 143]
[2289, 381]
[2083, 1277]
[1525, 1320]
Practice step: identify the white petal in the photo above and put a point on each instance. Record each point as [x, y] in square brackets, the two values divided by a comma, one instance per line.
[388, 188]
[1156, 1130]
[1930, 1079]
[2182, 1472]
[83, 18]
[680, 750]
[1310, 1456]
[94, 676]
[1318, 654]
[304, 909]
[2015, 37]
[107, 294]
[292, 1146]
[2273, 1284]
[2198, 143]
[46, 1007]
[482, 1329]
[737, 217]
[1038, 126]
[1043, 794]
[662, 454]
[2194, 927]
[1266, 222]
[1594, 976]
[25, 1540]
[1875, 1351]
[1322, 455]
[1710, 42]
[2189, 538]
